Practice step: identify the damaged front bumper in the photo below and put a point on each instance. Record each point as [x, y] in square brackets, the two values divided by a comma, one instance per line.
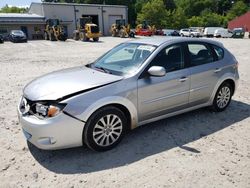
[61, 131]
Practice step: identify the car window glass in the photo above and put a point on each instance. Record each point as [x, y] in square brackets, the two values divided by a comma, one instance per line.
[170, 58]
[122, 55]
[199, 54]
[219, 52]
[131, 53]
[125, 58]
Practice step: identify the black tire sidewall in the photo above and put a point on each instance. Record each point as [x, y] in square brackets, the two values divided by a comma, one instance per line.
[215, 105]
[95, 117]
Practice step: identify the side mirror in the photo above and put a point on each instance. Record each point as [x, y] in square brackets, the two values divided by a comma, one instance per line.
[157, 71]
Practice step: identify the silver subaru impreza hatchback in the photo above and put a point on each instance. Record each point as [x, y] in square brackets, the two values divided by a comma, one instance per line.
[135, 83]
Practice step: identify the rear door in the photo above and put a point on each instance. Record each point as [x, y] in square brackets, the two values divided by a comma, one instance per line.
[205, 70]
[158, 96]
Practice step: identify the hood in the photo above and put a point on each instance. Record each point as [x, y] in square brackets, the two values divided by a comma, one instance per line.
[66, 82]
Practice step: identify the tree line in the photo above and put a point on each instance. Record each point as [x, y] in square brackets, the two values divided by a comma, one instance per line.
[174, 14]
[13, 9]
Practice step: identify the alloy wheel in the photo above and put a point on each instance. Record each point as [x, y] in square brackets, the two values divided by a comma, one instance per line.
[107, 130]
[223, 97]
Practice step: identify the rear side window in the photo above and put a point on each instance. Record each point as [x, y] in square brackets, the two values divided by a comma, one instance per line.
[200, 54]
[219, 52]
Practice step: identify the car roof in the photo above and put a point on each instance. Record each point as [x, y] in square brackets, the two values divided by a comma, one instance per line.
[158, 41]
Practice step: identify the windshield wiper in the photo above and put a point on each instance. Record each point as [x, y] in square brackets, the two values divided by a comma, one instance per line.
[103, 69]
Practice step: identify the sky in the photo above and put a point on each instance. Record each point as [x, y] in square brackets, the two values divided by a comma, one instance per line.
[19, 3]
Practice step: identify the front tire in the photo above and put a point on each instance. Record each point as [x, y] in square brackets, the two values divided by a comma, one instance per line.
[222, 97]
[105, 129]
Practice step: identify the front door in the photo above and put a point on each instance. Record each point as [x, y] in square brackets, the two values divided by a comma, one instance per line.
[158, 96]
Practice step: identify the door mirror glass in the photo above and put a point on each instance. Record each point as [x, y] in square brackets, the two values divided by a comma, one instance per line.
[157, 71]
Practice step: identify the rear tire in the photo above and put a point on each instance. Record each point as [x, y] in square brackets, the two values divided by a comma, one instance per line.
[96, 39]
[105, 128]
[222, 97]
[85, 38]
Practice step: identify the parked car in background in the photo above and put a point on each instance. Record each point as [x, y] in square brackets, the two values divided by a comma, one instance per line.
[209, 31]
[17, 36]
[238, 33]
[189, 33]
[159, 32]
[224, 33]
[1, 39]
[135, 83]
[171, 32]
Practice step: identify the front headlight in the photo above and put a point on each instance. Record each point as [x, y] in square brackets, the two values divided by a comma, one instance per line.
[48, 110]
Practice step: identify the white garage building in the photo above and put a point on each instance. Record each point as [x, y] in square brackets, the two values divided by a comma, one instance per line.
[69, 13]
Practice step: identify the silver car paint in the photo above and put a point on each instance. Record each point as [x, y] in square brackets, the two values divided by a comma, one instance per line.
[134, 93]
[60, 83]
[161, 95]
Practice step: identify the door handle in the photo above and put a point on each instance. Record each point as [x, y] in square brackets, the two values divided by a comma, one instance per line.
[217, 70]
[183, 79]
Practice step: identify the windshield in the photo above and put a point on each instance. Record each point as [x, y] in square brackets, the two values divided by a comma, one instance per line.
[124, 59]
[17, 32]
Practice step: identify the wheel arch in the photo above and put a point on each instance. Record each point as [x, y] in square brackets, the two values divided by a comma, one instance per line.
[231, 80]
[126, 106]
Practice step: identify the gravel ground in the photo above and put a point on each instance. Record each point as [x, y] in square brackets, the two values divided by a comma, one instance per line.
[196, 149]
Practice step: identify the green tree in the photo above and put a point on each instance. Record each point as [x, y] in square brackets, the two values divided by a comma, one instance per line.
[7, 9]
[237, 9]
[224, 6]
[195, 7]
[179, 19]
[170, 4]
[154, 11]
[211, 19]
[195, 21]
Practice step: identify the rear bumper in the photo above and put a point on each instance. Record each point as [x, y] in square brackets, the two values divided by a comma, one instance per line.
[236, 81]
[58, 132]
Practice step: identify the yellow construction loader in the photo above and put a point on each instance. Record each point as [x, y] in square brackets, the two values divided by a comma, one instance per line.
[54, 31]
[87, 30]
[120, 29]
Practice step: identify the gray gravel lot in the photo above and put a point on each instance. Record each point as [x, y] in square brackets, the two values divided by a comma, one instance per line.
[196, 149]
